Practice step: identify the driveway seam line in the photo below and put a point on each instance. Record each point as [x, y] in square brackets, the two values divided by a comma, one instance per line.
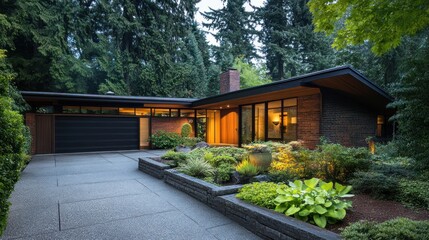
[127, 195]
[59, 217]
[119, 219]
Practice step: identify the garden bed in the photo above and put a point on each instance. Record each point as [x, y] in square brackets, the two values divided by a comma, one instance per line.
[267, 223]
[199, 189]
[153, 167]
[368, 208]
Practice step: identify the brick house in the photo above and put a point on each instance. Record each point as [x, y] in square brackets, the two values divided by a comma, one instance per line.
[338, 103]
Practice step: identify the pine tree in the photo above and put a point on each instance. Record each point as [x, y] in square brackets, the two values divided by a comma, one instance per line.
[289, 43]
[235, 31]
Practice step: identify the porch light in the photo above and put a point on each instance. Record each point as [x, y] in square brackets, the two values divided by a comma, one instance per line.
[293, 120]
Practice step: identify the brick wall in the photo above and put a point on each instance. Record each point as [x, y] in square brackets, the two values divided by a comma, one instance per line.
[230, 81]
[309, 119]
[30, 121]
[345, 120]
[170, 124]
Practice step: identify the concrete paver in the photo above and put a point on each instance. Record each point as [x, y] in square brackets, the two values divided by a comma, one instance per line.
[104, 196]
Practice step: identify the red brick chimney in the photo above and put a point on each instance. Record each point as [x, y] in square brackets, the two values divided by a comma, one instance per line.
[229, 81]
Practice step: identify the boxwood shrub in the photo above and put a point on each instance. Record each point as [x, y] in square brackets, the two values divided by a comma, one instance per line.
[13, 146]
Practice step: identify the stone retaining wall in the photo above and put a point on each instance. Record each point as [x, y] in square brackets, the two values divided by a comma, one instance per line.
[269, 224]
[152, 167]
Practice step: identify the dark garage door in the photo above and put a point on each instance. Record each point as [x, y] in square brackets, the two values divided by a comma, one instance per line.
[86, 134]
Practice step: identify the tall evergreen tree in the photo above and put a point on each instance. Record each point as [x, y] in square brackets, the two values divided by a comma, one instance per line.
[289, 43]
[235, 31]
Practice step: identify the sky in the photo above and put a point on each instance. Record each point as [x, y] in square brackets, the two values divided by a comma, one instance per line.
[204, 6]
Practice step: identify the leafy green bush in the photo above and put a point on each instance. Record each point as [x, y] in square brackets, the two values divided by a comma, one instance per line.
[186, 130]
[189, 141]
[177, 157]
[338, 163]
[237, 153]
[246, 169]
[197, 167]
[282, 176]
[398, 228]
[375, 184]
[414, 193]
[14, 144]
[223, 172]
[165, 140]
[260, 193]
[223, 159]
[394, 166]
[313, 200]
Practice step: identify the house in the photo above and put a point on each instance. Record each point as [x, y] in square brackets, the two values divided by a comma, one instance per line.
[338, 103]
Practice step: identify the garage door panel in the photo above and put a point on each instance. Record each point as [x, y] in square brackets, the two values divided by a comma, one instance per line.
[85, 134]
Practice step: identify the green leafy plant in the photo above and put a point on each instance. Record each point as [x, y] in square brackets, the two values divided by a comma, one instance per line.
[14, 144]
[190, 141]
[223, 172]
[164, 140]
[197, 167]
[398, 228]
[223, 159]
[375, 184]
[237, 153]
[246, 169]
[260, 193]
[414, 193]
[176, 157]
[314, 200]
[186, 130]
[284, 176]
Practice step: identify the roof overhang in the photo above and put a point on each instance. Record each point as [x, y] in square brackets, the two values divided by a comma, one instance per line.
[343, 79]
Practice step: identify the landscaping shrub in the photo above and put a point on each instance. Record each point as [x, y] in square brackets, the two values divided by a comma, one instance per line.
[246, 170]
[399, 228]
[375, 184]
[197, 167]
[189, 141]
[186, 130]
[14, 146]
[222, 159]
[223, 172]
[414, 193]
[394, 166]
[237, 153]
[260, 193]
[338, 163]
[177, 157]
[314, 201]
[165, 140]
[282, 176]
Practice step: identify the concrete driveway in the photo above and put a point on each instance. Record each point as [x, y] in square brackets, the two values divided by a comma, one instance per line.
[104, 196]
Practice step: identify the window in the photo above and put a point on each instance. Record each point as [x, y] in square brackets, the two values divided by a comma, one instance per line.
[45, 109]
[71, 109]
[143, 112]
[187, 113]
[126, 111]
[174, 112]
[201, 123]
[246, 124]
[274, 120]
[109, 110]
[289, 120]
[160, 112]
[380, 123]
[90, 110]
[260, 122]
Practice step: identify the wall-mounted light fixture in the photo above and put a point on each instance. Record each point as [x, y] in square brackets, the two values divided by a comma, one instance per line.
[293, 120]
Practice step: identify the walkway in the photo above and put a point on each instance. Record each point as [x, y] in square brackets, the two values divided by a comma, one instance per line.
[104, 196]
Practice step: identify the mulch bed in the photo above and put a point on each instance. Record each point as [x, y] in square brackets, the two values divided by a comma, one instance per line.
[368, 208]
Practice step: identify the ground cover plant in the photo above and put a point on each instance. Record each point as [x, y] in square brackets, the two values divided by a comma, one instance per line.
[310, 200]
[168, 140]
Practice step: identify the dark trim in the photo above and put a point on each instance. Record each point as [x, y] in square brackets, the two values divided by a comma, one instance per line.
[239, 125]
[107, 98]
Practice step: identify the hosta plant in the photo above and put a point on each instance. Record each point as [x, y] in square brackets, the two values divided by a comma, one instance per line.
[314, 201]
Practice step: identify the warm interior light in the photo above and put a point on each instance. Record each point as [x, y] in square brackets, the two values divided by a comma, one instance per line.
[276, 121]
[227, 106]
[220, 107]
[293, 120]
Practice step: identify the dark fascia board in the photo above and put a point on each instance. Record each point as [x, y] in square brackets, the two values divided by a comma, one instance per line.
[107, 98]
[302, 80]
